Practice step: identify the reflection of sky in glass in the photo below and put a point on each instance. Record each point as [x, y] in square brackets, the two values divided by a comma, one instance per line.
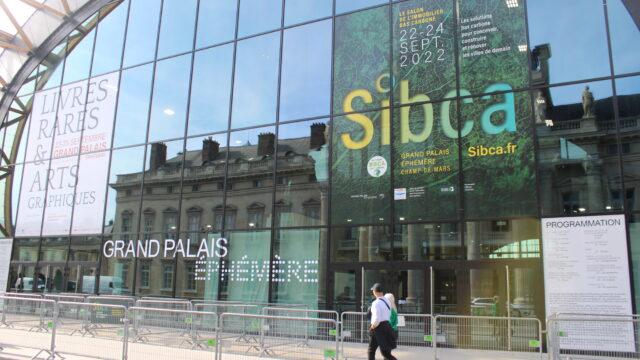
[628, 86]
[177, 27]
[257, 16]
[109, 40]
[572, 94]
[141, 32]
[350, 5]
[171, 89]
[624, 33]
[575, 31]
[79, 60]
[256, 81]
[248, 137]
[216, 22]
[298, 11]
[133, 106]
[297, 130]
[306, 71]
[209, 108]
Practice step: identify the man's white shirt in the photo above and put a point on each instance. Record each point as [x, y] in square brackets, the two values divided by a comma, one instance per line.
[379, 311]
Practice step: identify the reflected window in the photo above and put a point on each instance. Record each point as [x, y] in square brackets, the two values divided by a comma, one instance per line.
[258, 16]
[167, 276]
[255, 215]
[142, 31]
[145, 274]
[149, 221]
[124, 186]
[170, 223]
[256, 81]
[628, 90]
[306, 70]
[177, 27]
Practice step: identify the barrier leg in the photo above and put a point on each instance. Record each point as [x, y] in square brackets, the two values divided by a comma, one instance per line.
[125, 340]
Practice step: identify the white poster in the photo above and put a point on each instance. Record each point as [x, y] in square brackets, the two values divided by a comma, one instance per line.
[67, 180]
[5, 258]
[586, 271]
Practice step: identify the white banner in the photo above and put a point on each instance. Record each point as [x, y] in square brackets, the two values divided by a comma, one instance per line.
[586, 271]
[5, 259]
[68, 181]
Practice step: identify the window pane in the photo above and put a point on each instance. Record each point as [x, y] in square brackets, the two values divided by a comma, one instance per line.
[350, 5]
[54, 249]
[203, 180]
[299, 274]
[133, 106]
[110, 38]
[298, 11]
[116, 273]
[426, 163]
[142, 31]
[250, 152]
[628, 90]
[256, 82]
[568, 39]
[216, 22]
[578, 150]
[198, 279]
[25, 250]
[625, 30]
[171, 89]
[360, 36]
[306, 71]
[177, 27]
[60, 195]
[155, 275]
[634, 239]
[123, 199]
[427, 242]
[503, 239]
[79, 48]
[51, 74]
[364, 243]
[302, 179]
[257, 16]
[423, 51]
[498, 162]
[361, 181]
[247, 247]
[209, 107]
[85, 248]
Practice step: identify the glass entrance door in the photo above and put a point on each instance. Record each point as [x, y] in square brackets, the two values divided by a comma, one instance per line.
[407, 286]
[51, 278]
[82, 278]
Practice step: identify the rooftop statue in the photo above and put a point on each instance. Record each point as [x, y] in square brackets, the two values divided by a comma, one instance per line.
[588, 110]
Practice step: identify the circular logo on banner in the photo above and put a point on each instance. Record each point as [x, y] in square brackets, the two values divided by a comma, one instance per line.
[377, 166]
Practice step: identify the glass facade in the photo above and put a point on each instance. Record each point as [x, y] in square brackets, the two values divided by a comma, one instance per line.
[291, 152]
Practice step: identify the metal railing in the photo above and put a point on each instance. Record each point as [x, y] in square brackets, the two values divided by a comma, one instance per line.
[588, 336]
[27, 323]
[164, 304]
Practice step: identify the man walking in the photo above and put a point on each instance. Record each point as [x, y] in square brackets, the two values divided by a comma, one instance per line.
[381, 333]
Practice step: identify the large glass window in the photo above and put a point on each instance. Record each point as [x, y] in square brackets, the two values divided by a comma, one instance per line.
[256, 81]
[351, 5]
[110, 38]
[170, 92]
[306, 71]
[245, 275]
[78, 62]
[177, 27]
[427, 242]
[210, 90]
[628, 90]
[116, 274]
[360, 244]
[298, 11]
[361, 61]
[258, 16]
[142, 31]
[577, 149]
[624, 30]
[302, 179]
[133, 106]
[216, 22]
[123, 198]
[568, 39]
[503, 239]
[299, 272]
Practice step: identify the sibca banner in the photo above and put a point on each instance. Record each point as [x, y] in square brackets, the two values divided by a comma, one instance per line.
[416, 70]
[64, 165]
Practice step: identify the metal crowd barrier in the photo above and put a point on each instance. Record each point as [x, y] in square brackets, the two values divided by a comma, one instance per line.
[23, 295]
[273, 338]
[164, 304]
[89, 330]
[126, 301]
[174, 328]
[593, 336]
[27, 323]
[310, 331]
[67, 298]
[488, 333]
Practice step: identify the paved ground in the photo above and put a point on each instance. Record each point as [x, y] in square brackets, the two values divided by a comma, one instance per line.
[21, 345]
